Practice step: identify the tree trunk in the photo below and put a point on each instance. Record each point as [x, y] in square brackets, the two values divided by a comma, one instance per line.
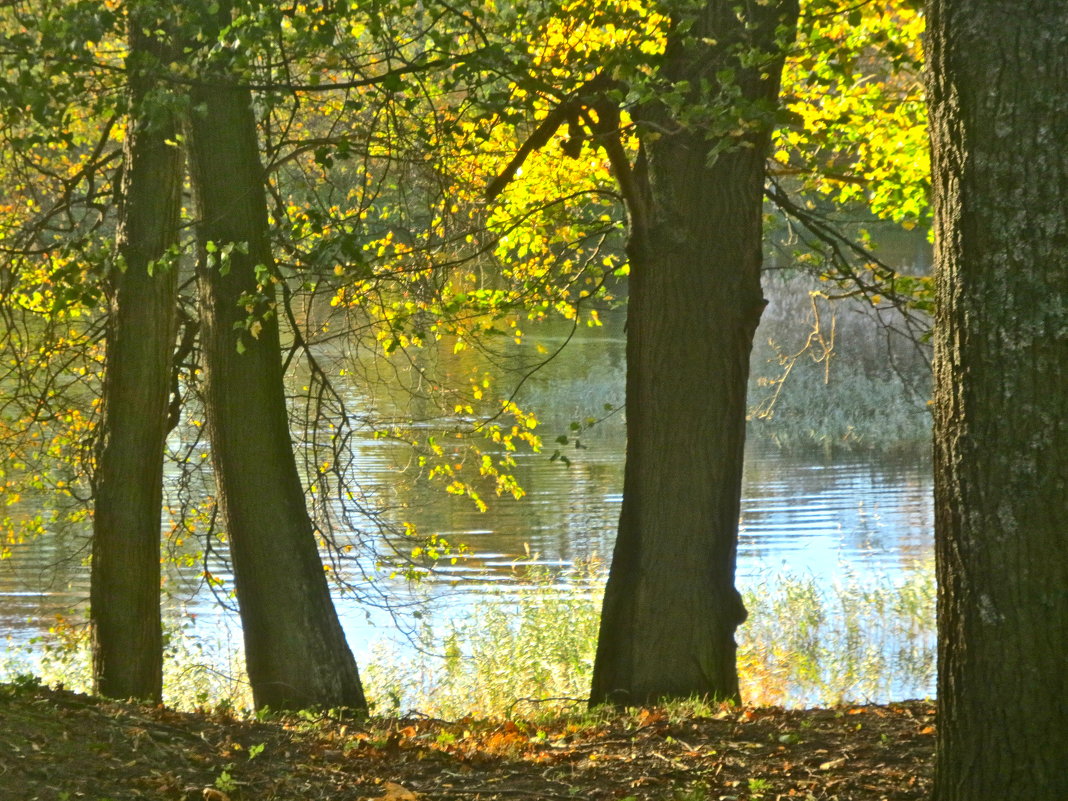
[295, 648]
[999, 127]
[671, 608]
[125, 578]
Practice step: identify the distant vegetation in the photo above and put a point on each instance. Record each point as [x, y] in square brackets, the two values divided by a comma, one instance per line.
[833, 374]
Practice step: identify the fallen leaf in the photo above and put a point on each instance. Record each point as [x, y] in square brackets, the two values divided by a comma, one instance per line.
[398, 792]
[211, 794]
[650, 717]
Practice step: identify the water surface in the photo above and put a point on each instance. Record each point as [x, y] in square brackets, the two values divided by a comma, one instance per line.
[828, 518]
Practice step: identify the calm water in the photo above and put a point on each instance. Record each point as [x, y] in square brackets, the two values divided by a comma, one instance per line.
[821, 517]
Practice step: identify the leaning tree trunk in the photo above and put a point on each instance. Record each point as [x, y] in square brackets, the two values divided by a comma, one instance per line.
[125, 576]
[998, 91]
[670, 607]
[295, 648]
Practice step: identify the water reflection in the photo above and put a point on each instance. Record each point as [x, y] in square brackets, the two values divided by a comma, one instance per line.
[820, 515]
[814, 515]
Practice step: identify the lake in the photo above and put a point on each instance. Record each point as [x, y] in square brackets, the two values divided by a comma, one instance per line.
[846, 518]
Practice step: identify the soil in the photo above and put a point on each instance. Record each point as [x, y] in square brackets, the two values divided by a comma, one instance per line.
[61, 746]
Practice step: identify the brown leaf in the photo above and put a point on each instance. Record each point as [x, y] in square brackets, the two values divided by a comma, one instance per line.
[650, 717]
[398, 792]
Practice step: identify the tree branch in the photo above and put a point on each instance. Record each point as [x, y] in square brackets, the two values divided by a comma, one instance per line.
[565, 111]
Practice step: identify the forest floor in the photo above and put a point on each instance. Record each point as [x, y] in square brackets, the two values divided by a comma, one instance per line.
[59, 746]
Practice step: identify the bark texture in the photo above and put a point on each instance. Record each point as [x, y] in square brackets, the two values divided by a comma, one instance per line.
[295, 648]
[670, 607]
[998, 92]
[125, 577]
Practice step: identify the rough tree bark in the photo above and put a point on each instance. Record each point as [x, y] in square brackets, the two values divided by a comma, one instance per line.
[670, 607]
[125, 576]
[295, 648]
[998, 90]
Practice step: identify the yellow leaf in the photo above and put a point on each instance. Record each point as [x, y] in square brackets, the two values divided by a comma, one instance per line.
[398, 792]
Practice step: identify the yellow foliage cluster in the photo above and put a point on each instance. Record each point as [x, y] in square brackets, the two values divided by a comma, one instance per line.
[855, 91]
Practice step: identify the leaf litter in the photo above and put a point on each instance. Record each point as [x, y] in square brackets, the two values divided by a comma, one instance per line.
[57, 745]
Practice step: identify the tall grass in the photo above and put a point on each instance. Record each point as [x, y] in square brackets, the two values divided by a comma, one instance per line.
[201, 668]
[529, 650]
[833, 374]
[857, 640]
[803, 644]
[521, 649]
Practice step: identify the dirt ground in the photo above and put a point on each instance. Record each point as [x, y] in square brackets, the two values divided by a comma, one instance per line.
[60, 746]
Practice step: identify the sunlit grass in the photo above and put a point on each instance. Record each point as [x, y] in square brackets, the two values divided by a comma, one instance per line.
[522, 650]
[528, 651]
[858, 640]
[531, 651]
[201, 669]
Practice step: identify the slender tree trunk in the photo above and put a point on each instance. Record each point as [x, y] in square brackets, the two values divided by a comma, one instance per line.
[998, 91]
[671, 608]
[125, 577]
[295, 648]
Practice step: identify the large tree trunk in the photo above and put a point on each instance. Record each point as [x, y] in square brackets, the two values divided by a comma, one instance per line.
[295, 648]
[999, 128]
[671, 608]
[125, 577]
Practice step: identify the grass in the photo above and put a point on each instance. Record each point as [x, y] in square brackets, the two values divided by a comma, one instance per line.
[520, 650]
[532, 651]
[829, 374]
[201, 670]
[853, 412]
[859, 640]
[528, 652]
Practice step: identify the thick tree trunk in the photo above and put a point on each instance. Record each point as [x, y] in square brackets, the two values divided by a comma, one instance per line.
[671, 608]
[999, 128]
[295, 648]
[125, 577]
